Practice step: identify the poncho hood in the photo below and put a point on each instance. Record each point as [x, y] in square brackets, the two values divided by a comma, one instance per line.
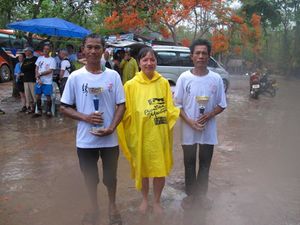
[142, 78]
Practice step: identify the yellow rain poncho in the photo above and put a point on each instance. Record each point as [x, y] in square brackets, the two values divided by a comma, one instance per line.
[146, 131]
[129, 68]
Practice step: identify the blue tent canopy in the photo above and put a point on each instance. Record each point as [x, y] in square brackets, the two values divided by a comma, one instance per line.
[51, 26]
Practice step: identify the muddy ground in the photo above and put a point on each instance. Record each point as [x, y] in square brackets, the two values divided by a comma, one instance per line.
[254, 178]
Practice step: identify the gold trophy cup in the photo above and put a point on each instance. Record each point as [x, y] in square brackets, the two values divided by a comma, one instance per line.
[202, 101]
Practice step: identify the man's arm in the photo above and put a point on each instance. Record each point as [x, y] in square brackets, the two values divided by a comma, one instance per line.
[207, 116]
[122, 64]
[119, 112]
[47, 72]
[61, 74]
[37, 75]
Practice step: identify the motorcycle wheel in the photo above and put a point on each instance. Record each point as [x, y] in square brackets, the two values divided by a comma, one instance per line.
[273, 92]
[254, 95]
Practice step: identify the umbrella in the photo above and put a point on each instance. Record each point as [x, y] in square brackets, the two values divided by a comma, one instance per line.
[50, 26]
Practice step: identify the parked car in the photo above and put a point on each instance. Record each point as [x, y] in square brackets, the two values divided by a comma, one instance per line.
[174, 60]
[6, 67]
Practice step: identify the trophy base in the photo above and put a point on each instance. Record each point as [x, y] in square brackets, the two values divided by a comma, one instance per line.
[96, 129]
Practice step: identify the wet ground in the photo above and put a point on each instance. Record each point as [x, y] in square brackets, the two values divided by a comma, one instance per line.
[254, 178]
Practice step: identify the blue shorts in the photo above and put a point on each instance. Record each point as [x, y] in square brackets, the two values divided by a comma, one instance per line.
[45, 89]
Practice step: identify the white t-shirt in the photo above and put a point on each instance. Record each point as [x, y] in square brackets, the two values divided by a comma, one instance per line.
[45, 64]
[76, 92]
[189, 86]
[64, 65]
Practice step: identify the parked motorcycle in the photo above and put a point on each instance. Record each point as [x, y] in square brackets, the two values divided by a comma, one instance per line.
[254, 85]
[261, 83]
[268, 85]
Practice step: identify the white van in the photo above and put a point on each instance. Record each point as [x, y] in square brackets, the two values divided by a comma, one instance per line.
[174, 60]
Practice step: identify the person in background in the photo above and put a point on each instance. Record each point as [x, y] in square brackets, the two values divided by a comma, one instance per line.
[64, 71]
[116, 64]
[71, 53]
[19, 76]
[128, 66]
[108, 62]
[100, 142]
[148, 121]
[201, 97]
[28, 68]
[80, 54]
[56, 71]
[43, 74]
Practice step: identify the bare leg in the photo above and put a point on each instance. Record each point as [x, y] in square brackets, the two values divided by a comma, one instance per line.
[158, 185]
[39, 104]
[145, 190]
[23, 100]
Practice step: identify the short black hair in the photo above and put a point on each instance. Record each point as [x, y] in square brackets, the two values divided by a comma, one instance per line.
[94, 36]
[22, 55]
[144, 51]
[70, 46]
[200, 42]
[47, 44]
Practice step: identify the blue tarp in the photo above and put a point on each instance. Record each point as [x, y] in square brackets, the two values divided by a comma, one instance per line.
[50, 26]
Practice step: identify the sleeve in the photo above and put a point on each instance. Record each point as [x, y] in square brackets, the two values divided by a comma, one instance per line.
[38, 61]
[68, 96]
[123, 125]
[17, 69]
[221, 96]
[120, 95]
[53, 64]
[179, 92]
[123, 62]
[127, 113]
[64, 65]
[173, 112]
[136, 68]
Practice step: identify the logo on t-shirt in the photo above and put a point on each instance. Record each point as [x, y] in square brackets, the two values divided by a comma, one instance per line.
[188, 89]
[110, 87]
[84, 88]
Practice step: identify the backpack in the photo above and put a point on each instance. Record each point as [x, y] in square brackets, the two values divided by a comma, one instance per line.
[71, 68]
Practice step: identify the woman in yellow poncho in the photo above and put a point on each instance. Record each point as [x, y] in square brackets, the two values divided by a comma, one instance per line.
[146, 132]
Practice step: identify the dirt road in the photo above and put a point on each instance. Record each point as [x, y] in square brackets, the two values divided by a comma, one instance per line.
[254, 178]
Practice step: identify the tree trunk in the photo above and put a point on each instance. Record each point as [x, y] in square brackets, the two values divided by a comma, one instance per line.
[296, 52]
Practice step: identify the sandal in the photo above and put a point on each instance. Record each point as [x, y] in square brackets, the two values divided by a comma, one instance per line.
[90, 219]
[115, 219]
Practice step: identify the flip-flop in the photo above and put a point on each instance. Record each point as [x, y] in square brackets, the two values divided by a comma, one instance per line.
[90, 219]
[115, 219]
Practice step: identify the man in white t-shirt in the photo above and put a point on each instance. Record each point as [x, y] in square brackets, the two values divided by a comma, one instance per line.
[43, 74]
[64, 71]
[200, 96]
[92, 144]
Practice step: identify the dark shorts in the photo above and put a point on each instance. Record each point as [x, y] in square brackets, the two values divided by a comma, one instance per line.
[88, 161]
[20, 86]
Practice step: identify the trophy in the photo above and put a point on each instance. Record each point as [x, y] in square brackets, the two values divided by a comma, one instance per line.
[95, 92]
[202, 101]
